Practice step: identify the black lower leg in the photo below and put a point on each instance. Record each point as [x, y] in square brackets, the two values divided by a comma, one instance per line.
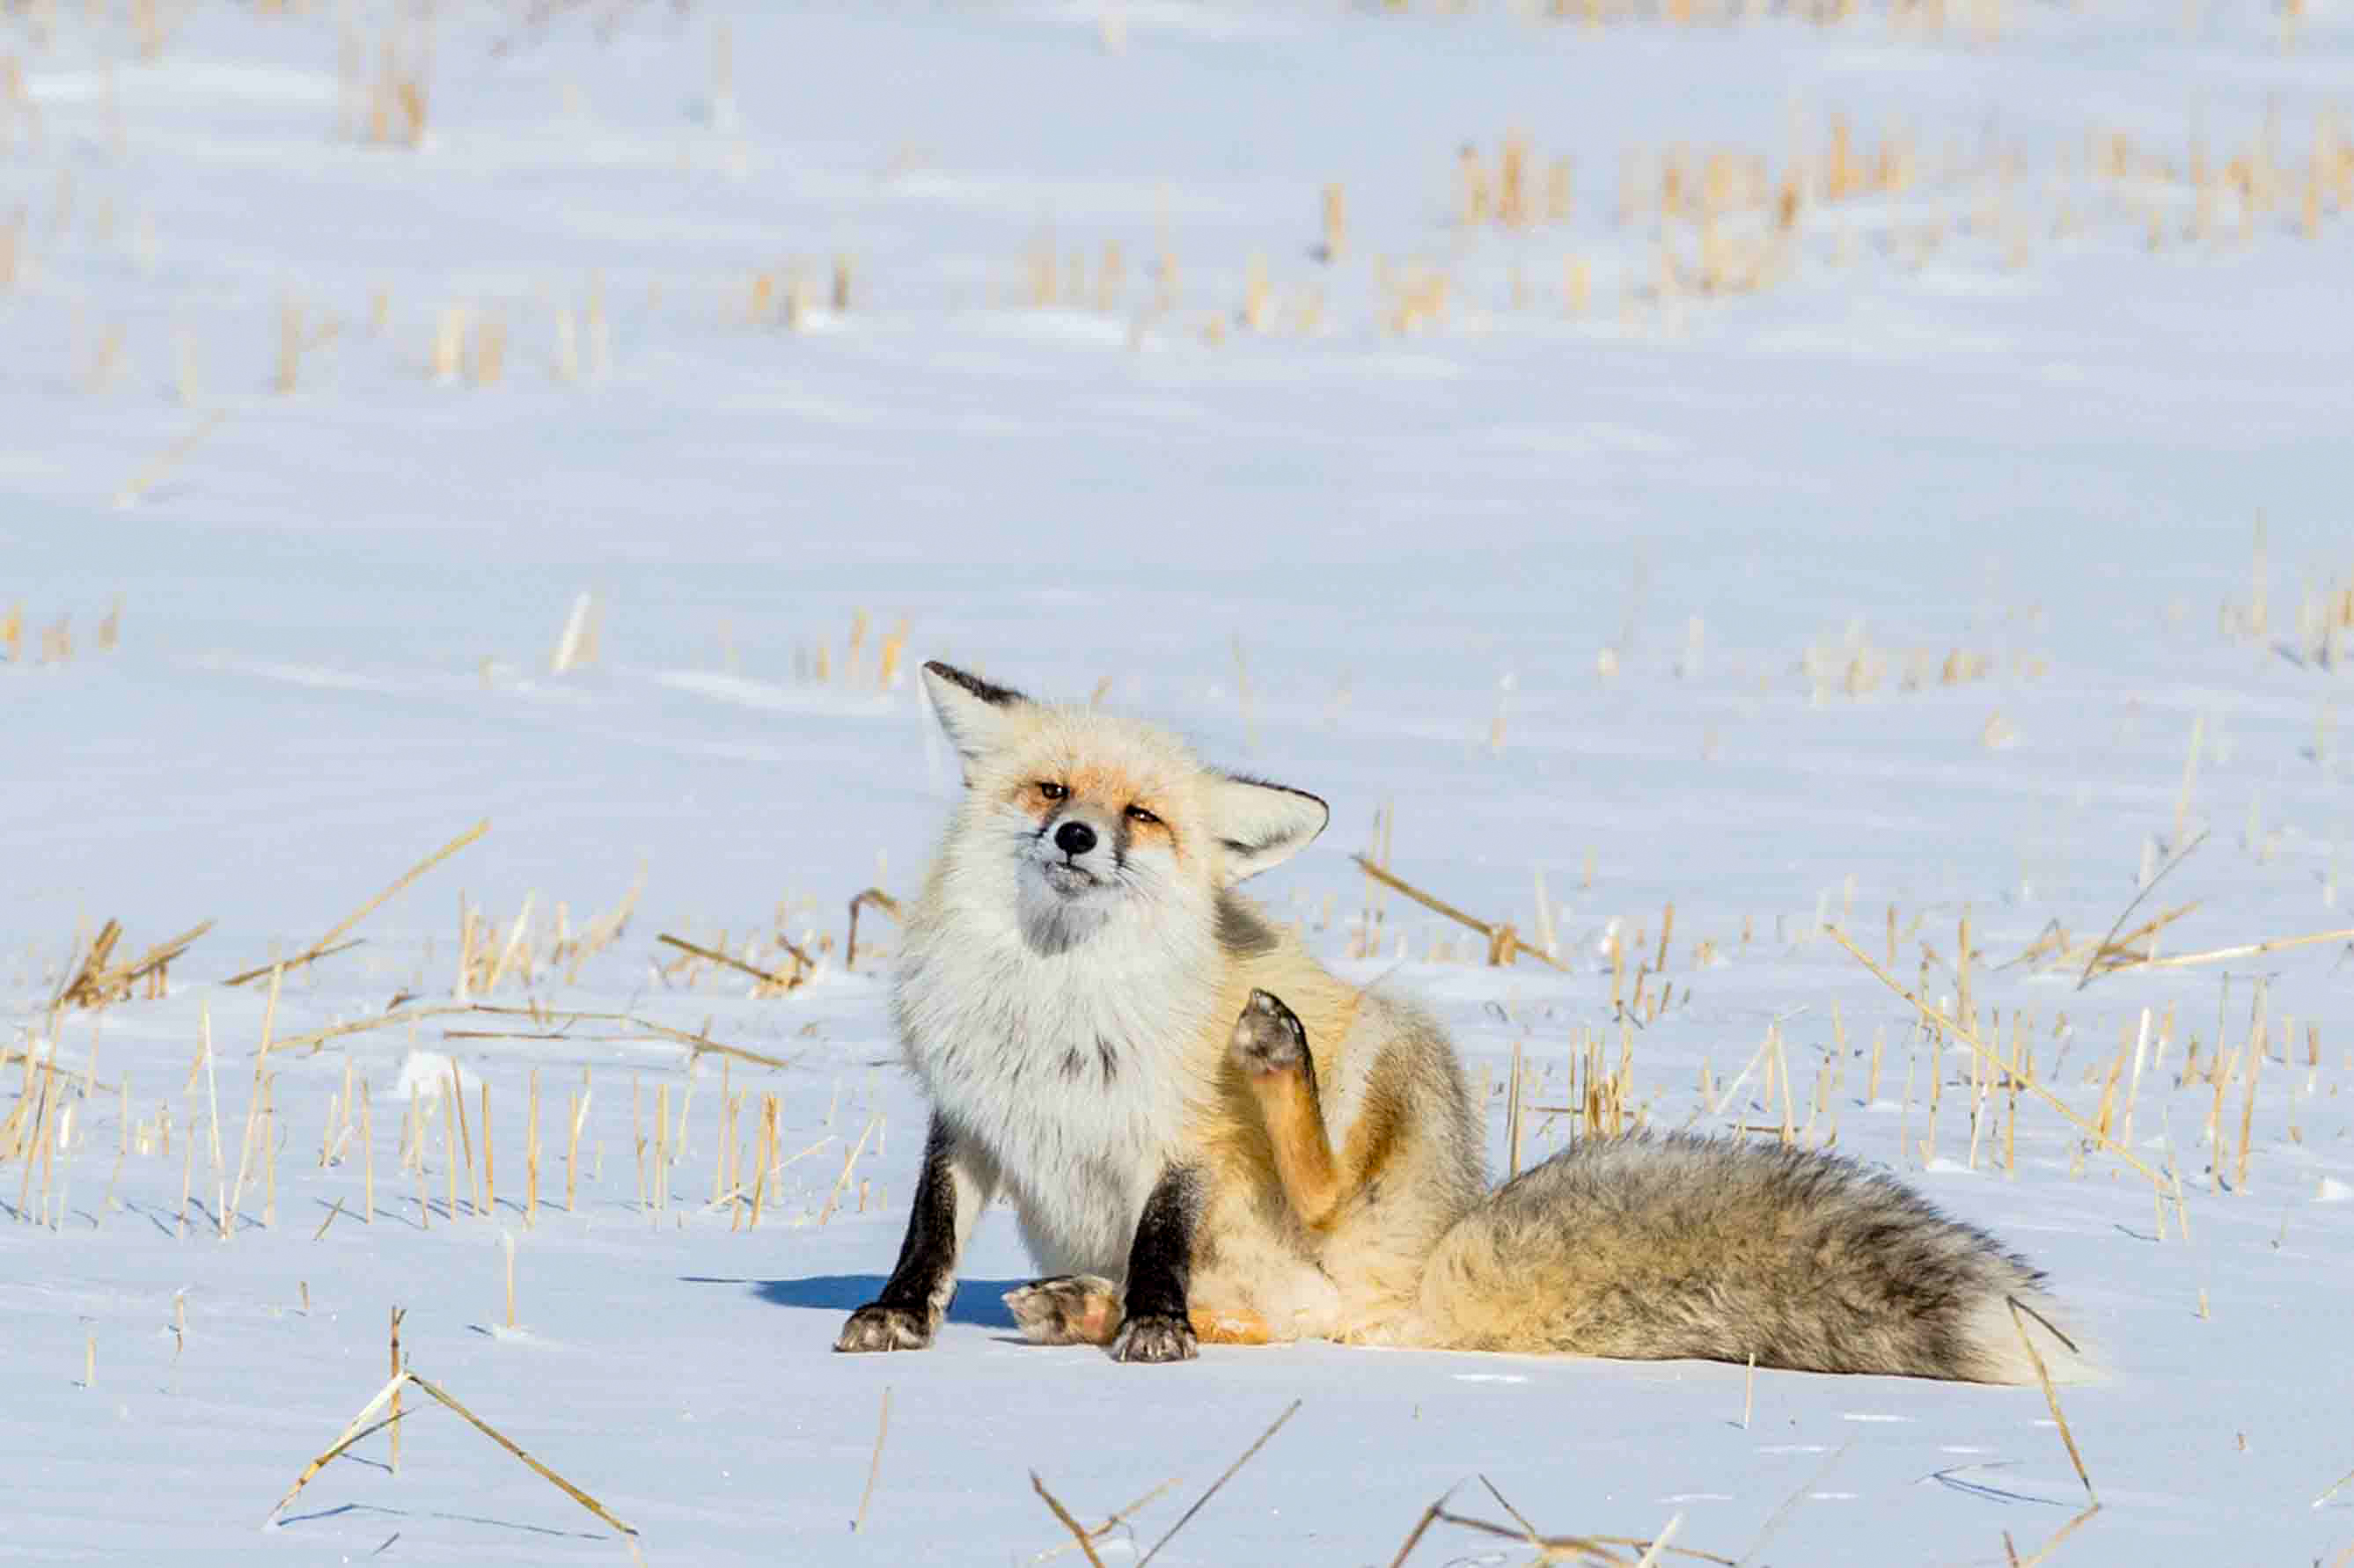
[916, 1296]
[1160, 1269]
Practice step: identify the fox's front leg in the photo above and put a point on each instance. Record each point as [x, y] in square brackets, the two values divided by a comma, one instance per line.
[1270, 1046]
[1155, 1326]
[954, 1186]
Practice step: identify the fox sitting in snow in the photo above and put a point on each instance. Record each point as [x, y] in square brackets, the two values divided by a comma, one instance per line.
[1206, 1136]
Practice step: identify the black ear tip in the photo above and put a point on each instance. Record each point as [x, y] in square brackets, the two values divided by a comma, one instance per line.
[971, 685]
[1323, 807]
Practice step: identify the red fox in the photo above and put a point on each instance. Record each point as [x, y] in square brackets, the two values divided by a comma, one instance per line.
[1205, 1135]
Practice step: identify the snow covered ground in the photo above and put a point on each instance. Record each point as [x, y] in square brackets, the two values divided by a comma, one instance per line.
[1960, 533]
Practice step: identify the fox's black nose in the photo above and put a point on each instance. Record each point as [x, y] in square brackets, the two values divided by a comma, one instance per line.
[1075, 838]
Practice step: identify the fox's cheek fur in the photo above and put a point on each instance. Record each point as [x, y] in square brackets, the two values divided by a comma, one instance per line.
[1155, 836]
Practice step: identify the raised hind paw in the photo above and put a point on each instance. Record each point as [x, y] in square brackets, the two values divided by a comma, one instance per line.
[1269, 1037]
[878, 1327]
[1154, 1338]
[1069, 1310]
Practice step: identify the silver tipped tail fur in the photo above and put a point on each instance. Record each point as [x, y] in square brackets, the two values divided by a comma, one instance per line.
[1653, 1247]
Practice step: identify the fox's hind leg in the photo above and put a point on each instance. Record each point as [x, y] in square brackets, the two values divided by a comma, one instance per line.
[1084, 1309]
[1069, 1310]
[1212, 1326]
[1270, 1046]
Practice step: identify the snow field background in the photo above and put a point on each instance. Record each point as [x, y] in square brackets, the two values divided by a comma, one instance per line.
[1910, 557]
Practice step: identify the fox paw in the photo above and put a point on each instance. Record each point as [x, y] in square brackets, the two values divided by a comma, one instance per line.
[1070, 1309]
[1155, 1337]
[1269, 1037]
[879, 1327]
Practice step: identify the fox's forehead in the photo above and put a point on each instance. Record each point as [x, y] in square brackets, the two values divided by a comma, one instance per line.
[1113, 783]
[1102, 757]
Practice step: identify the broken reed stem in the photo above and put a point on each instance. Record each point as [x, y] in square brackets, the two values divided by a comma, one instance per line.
[505, 957]
[1556, 1548]
[2255, 950]
[880, 900]
[100, 980]
[349, 1436]
[1970, 1039]
[163, 462]
[1512, 1118]
[2248, 1106]
[842, 1181]
[268, 1020]
[2051, 1396]
[1430, 1516]
[362, 1025]
[397, 1314]
[702, 1042]
[1528, 1529]
[1087, 1547]
[638, 1140]
[662, 1150]
[1440, 907]
[1120, 1515]
[466, 1139]
[767, 1155]
[1182, 1519]
[1774, 1521]
[721, 1145]
[2177, 858]
[32, 1148]
[2334, 1488]
[1962, 1004]
[62, 1114]
[2011, 1081]
[253, 1106]
[450, 1113]
[2150, 928]
[572, 1147]
[629, 1535]
[317, 949]
[875, 1467]
[1782, 1066]
[2063, 1533]
[531, 1156]
[766, 976]
[1659, 1542]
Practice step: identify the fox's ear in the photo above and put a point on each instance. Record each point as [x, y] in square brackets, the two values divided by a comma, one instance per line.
[974, 714]
[1262, 825]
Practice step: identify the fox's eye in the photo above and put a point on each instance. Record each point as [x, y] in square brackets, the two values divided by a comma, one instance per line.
[1052, 791]
[1139, 814]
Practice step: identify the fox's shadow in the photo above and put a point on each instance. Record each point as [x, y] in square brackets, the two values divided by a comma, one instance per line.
[980, 1303]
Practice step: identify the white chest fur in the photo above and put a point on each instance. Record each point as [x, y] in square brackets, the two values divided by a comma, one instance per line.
[1068, 1068]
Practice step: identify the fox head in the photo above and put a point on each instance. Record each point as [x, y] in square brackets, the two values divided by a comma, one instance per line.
[1097, 819]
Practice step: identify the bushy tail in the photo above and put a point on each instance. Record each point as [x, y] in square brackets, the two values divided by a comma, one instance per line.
[1655, 1248]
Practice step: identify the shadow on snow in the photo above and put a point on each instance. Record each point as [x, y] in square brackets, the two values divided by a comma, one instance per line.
[980, 1303]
